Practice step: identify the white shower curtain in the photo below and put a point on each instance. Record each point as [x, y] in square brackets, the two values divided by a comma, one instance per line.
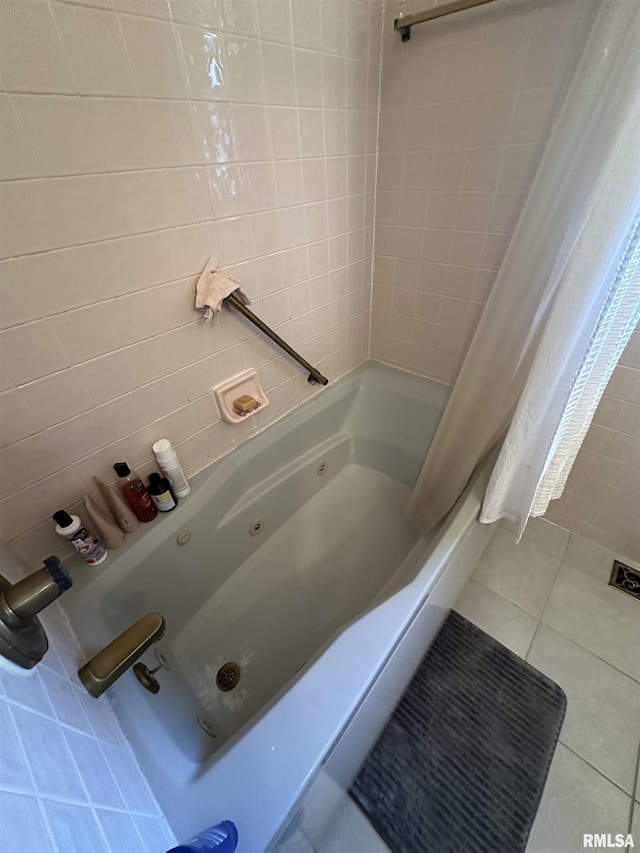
[564, 302]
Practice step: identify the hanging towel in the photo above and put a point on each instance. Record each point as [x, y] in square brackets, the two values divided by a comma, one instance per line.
[213, 287]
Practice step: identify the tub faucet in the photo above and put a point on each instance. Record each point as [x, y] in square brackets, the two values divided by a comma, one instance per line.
[22, 637]
[106, 667]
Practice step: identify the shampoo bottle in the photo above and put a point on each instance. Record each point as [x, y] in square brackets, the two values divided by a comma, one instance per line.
[135, 493]
[122, 515]
[85, 543]
[167, 460]
[107, 529]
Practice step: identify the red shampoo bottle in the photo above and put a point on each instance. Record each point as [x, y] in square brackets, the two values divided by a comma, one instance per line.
[135, 493]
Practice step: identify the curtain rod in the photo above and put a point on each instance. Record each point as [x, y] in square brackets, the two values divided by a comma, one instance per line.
[404, 23]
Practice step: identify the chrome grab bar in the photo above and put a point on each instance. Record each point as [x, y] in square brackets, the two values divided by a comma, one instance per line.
[405, 22]
[314, 375]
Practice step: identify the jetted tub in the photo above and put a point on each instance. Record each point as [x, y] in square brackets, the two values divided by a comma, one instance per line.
[302, 570]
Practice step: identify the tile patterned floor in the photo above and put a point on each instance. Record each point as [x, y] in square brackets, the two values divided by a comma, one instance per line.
[548, 600]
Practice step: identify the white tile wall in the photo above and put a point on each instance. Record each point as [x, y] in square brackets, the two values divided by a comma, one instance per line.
[68, 779]
[603, 491]
[466, 108]
[138, 138]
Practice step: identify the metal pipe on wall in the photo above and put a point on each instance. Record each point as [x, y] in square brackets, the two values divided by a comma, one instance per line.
[404, 23]
[314, 375]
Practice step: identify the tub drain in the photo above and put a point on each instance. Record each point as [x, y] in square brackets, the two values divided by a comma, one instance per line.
[228, 676]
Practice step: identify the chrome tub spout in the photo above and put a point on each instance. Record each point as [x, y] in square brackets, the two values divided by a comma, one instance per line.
[106, 667]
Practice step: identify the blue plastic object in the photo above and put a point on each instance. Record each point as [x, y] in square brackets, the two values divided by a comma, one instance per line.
[222, 838]
[58, 573]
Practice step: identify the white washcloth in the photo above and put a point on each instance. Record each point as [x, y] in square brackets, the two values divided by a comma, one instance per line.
[213, 287]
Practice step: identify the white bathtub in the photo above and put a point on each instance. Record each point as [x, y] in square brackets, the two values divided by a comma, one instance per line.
[327, 609]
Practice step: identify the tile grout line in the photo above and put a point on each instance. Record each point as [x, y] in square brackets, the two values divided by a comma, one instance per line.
[546, 601]
[635, 780]
[551, 627]
[589, 652]
[375, 181]
[35, 792]
[635, 793]
[595, 769]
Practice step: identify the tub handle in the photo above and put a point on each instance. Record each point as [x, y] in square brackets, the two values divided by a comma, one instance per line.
[106, 667]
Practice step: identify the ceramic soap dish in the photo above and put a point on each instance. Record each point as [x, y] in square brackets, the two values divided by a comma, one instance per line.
[235, 391]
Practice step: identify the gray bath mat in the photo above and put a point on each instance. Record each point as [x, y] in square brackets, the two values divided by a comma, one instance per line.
[462, 764]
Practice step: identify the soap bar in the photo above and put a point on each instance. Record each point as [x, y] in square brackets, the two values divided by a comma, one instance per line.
[245, 404]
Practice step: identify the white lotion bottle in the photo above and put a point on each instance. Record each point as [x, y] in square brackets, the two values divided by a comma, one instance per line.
[167, 460]
[71, 528]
